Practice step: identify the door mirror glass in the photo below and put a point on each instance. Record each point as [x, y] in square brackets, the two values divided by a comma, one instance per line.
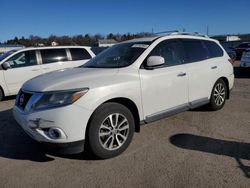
[6, 65]
[154, 61]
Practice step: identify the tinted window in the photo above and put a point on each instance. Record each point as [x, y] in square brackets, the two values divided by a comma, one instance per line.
[79, 54]
[170, 50]
[244, 45]
[23, 59]
[195, 50]
[214, 49]
[53, 55]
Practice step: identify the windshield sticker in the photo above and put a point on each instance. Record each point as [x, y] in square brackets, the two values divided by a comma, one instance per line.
[140, 46]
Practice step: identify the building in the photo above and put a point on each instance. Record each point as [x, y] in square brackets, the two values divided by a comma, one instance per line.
[233, 38]
[54, 43]
[7, 47]
[229, 38]
[106, 42]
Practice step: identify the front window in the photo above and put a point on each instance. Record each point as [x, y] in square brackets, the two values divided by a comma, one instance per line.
[120, 55]
[23, 59]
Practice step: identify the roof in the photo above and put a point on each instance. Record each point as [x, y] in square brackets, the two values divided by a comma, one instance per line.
[145, 39]
[53, 47]
[171, 34]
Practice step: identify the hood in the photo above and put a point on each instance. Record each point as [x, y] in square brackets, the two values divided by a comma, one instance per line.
[69, 79]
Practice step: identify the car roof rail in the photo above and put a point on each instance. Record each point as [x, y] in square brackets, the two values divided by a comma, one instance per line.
[163, 33]
[190, 33]
[176, 32]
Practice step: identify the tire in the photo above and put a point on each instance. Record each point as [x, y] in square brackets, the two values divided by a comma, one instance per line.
[105, 140]
[1, 94]
[218, 95]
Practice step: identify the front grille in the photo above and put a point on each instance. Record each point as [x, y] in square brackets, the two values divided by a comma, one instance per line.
[23, 99]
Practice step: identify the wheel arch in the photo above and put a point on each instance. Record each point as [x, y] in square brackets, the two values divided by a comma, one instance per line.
[227, 85]
[126, 102]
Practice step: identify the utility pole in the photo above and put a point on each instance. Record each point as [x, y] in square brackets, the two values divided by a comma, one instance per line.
[207, 30]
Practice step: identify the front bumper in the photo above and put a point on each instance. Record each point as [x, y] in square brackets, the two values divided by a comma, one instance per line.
[65, 148]
[245, 64]
[71, 120]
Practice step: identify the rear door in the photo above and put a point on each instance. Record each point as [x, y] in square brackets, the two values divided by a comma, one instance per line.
[24, 66]
[53, 59]
[201, 69]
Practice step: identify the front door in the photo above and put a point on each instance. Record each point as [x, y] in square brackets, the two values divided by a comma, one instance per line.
[24, 66]
[164, 89]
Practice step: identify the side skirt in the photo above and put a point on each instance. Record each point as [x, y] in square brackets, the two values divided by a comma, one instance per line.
[175, 110]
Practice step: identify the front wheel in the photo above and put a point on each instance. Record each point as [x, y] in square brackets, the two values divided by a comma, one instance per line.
[111, 130]
[218, 95]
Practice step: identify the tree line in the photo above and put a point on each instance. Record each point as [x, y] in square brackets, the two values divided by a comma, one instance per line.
[82, 40]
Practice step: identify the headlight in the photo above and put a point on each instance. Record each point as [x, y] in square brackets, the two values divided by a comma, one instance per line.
[58, 99]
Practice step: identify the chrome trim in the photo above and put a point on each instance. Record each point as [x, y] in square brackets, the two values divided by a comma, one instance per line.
[176, 110]
[167, 113]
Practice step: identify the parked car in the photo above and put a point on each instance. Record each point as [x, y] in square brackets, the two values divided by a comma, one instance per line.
[245, 59]
[103, 102]
[16, 67]
[230, 51]
[241, 48]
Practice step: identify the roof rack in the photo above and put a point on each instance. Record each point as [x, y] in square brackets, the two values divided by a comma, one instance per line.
[165, 32]
[189, 33]
[176, 32]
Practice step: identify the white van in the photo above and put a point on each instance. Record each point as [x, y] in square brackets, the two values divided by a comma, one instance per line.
[16, 67]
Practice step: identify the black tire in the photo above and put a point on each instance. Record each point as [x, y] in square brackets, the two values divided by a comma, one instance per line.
[100, 117]
[216, 102]
[1, 94]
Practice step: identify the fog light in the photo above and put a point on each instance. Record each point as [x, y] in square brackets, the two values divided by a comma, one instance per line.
[55, 133]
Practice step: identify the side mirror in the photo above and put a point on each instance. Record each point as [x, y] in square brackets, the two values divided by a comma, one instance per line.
[6, 65]
[154, 61]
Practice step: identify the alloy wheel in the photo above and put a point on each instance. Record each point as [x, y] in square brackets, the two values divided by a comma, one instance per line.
[113, 131]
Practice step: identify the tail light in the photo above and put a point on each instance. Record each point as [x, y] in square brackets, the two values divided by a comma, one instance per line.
[231, 61]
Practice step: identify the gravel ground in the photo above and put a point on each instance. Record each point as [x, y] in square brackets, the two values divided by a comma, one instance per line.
[196, 148]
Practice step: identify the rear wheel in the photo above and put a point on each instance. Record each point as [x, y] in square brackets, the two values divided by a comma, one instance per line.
[1, 94]
[110, 130]
[218, 95]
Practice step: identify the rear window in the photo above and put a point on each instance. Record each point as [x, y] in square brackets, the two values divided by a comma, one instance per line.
[195, 50]
[214, 49]
[79, 54]
[53, 55]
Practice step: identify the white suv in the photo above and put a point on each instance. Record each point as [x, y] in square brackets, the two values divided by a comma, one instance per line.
[102, 103]
[16, 67]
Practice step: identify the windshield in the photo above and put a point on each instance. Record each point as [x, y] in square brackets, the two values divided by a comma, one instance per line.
[6, 54]
[120, 55]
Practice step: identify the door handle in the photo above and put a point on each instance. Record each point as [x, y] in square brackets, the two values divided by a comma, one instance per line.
[46, 68]
[182, 74]
[214, 67]
[35, 70]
